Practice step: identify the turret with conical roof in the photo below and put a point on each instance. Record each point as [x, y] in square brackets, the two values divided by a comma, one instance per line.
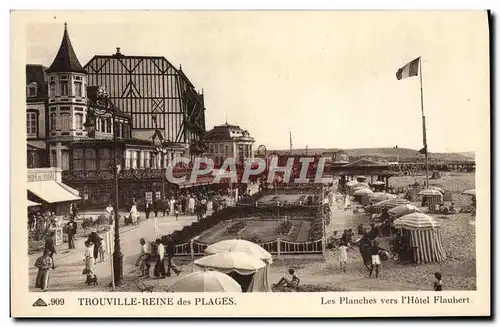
[67, 102]
[66, 60]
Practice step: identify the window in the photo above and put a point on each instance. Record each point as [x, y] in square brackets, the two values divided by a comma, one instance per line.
[147, 160]
[90, 159]
[78, 78]
[63, 88]
[31, 124]
[108, 125]
[103, 124]
[227, 149]
[52, 89]
[127, 159]
[53, 158]
[77, 159]
[104, 159]
[79, 121]
[134, 159]
[65, 160]
[78, 89]
[65, 122]
[32, 88]
[211, 148]
[118, 129]
[53, 122]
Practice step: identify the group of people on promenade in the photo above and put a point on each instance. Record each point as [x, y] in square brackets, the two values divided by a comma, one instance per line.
[160, 252]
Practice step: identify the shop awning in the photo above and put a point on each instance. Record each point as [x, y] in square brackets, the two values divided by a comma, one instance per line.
[32, 204]
[51, 191]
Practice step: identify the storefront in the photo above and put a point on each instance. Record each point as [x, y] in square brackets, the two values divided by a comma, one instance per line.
[46, 188]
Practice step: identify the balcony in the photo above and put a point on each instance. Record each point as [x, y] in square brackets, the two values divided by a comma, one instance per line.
[129, 174]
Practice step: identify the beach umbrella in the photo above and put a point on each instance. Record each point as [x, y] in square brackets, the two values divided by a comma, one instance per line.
[380, 196]
[416, 220]
[402, 209]
[231, 260]
[430, 192]
[391, 203]
[244, 246]
[362, 191]
[436, 188]
[470, 192]
[206, 281]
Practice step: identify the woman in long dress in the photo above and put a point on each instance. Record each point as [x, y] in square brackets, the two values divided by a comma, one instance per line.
[43, 263]
[133, 214]
[172, 206]
[89, 259]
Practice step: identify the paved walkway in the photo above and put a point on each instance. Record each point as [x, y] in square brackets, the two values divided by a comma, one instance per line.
[69, 263]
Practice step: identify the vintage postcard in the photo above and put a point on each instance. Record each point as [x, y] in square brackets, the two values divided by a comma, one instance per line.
[326, 163]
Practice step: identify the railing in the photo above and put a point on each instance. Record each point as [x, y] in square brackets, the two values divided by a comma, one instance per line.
[277, 247]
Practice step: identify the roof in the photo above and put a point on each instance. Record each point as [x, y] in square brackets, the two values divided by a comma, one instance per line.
[66, 60]
[90, 142]
[36, 74]
[365, 163]
[227, 132]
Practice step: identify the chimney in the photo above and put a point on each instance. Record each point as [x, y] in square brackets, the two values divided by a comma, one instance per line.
[118, 52]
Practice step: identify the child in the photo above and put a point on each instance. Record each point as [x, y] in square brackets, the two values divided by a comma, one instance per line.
[176, 211]
[102, 251]
[438, 284]
[343, 256]
[294, 281]
[143, 261]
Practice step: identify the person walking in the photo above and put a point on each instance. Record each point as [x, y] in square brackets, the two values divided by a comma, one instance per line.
[159, 270]
[134, 214]
[50, 245]
[70, 230]
[343, 256]
[375, 252]
[43, 263]
[96, 241]
[365, 244]
[143, 261]
[170, 252]
[147, 209]
[89, 259]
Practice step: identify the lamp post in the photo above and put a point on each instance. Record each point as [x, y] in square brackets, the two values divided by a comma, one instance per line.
[160, 151]
[99, 103]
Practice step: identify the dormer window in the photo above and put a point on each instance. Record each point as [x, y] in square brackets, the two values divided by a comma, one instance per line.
[32, 90]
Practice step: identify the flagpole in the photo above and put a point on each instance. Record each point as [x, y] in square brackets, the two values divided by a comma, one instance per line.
[423, 125]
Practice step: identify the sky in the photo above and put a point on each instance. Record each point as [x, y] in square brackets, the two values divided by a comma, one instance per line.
[327, 77]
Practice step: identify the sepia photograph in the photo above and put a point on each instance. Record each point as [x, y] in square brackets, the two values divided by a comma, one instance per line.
[252, 152]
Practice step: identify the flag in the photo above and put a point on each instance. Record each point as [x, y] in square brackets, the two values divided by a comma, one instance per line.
[408, 70]
[422, 151]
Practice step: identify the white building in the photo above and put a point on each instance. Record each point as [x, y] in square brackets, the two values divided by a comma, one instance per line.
[229, 141]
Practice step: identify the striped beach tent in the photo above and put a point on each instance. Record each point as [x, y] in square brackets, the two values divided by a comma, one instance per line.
[422, 232]
[433, 197]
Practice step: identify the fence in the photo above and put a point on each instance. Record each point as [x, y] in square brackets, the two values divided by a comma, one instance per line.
[277, 247]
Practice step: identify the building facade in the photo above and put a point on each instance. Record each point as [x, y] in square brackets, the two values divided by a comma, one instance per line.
[156, 95]
[153, 100]
[36, 116]
[229, 141]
